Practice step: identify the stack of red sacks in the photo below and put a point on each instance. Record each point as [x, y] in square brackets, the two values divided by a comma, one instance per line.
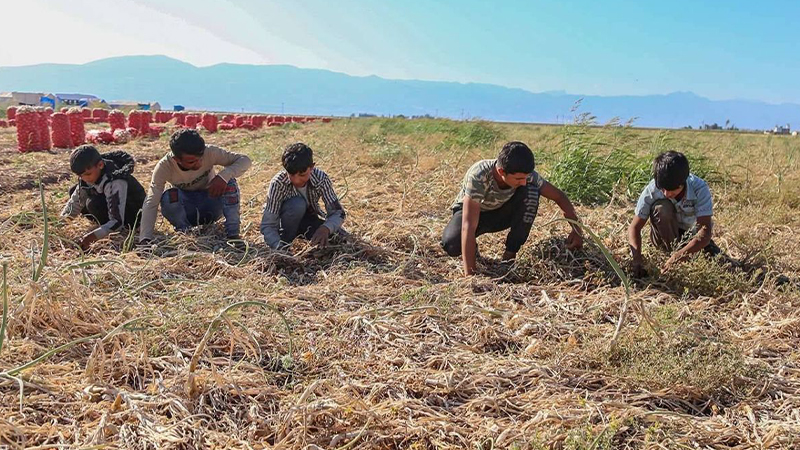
[27, 129]
[99, 115]
[209, 122]
[43, 118]
[258, 121]
[76, 128]
[191, 121]
[134, 123]
[61, 135]
[180, 118]
[117, 120]
[275, 121]
[11, 115]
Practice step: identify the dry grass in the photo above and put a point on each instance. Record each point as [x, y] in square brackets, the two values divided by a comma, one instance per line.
[389, 347]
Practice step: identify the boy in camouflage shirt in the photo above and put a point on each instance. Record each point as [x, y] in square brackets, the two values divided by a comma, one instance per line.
[499, 194]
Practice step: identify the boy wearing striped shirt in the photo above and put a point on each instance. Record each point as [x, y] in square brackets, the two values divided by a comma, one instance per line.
[292, 206]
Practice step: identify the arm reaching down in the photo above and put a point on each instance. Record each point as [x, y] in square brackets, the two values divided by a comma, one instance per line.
[153, 199]
[635, 245]
[575, 238]
[469, 225]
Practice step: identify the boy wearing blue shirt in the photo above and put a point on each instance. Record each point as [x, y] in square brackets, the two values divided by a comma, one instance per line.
[675, 202]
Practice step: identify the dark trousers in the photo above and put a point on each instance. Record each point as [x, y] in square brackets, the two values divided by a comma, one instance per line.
[665, 232]
[518, 214]
[298, 219]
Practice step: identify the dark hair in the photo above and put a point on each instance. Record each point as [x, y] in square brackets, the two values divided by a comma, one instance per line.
[82, 158]
[670, 170]
[516, 157]
[297, 158]
[187, 142]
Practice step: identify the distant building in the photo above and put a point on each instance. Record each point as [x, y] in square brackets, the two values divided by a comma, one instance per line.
[121, 104]
[77, 99]
[26, 98]
[779, 129]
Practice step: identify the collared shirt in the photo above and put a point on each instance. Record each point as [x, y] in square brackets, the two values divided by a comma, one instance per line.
[479, 185]
[116, 194]
[697, 202]
[319, 186]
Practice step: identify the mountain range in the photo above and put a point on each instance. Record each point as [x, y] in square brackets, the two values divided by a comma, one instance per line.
[293, 90]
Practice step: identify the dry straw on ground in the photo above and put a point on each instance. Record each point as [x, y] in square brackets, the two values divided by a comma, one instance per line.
[377, 342]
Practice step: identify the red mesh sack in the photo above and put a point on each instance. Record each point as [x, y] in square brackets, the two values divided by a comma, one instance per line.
[135, 120]
[11, 112]
[191, 121]
[100, 115]
[117, 120]
[27, 129]
[76, 128]
[326, 119]
[239, 121]
[258, 121]
[121, 136]
[60, 133]
[87, 113]
[180, 118]
[228, 118]
[3, 124]
[226, 126]
[44, 129]
[209, 122]
[100, 137]
[147, 119]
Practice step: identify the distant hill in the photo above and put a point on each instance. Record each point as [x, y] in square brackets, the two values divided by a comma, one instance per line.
[271, 88]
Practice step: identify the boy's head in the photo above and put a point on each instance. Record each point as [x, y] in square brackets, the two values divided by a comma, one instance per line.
[515, 163]
[187, 147]
[670, 171]
[85, 161]
[298, 160]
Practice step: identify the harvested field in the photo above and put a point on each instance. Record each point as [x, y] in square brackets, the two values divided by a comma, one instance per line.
[378, 341]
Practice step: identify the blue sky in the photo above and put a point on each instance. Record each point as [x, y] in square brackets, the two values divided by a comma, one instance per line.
[719, 50]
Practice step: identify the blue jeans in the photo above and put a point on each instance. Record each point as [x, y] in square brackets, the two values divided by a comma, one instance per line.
[186, 209]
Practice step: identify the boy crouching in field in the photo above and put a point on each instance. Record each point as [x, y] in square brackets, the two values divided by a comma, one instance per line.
[292, 206]
[106, 191]
[199, 195]
[499, 194]
[676, 202]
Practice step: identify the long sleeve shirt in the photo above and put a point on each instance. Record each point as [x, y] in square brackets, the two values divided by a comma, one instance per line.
[319, 186]
[168, 171]
[116, 194]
